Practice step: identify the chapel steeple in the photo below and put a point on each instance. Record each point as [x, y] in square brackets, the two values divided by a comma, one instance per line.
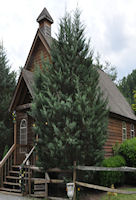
[45, 20]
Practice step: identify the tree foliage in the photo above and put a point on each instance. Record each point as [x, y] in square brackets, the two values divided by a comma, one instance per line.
[7, 85]
[127, 85]
[106, 67]
[134, 99]
[68, 107]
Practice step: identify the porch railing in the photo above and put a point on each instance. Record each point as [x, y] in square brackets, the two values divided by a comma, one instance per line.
[28, 156]
[6, 164]
[26, 172]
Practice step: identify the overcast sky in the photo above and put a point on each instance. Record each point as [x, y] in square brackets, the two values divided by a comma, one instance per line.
[111, 25]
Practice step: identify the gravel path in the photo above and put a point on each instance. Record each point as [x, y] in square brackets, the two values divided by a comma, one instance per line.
[12, 197]
[92, 196]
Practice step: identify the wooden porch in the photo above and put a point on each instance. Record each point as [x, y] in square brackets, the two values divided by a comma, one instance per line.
[12, 175]
[22, 179]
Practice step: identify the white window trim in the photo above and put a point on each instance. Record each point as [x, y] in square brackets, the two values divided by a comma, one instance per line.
[124, 129]
[22, 149]
[132, 130]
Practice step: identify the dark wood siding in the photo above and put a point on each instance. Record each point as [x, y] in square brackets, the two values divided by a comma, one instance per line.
[36, 58]
[115, 134]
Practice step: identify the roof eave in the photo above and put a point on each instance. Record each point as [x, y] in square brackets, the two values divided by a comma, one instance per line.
[121, 117]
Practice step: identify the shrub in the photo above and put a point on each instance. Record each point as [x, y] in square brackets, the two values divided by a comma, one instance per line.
[128, 151]
[109, 178]
[115, 149]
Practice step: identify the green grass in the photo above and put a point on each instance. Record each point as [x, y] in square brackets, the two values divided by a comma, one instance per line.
[122, 196]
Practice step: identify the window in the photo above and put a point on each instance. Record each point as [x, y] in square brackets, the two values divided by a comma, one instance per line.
[124, 131]
[132, 131]
[23, 135]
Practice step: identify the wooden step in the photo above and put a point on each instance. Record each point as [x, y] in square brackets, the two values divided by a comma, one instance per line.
[15, 177]
[10, 183]
[11, 193]
[12, 177]
[10, 190]
[14, 172]
[16, 166]
[18, 173]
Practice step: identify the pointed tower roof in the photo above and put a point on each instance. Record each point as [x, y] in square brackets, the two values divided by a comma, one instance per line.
[45, 15]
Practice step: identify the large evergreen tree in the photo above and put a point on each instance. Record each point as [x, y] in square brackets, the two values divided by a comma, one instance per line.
[68, 107]
[7, 85]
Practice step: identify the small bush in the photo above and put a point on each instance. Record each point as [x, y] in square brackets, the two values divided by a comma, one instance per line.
[109, 178]
[115, 149]
[128, 151]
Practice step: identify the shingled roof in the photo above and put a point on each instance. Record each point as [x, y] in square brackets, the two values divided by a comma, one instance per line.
[28, 78]
[116, 102]
[45, 15]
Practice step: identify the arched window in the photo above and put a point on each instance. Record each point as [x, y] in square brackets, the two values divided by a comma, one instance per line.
[132, 131]
[23, 135]
[124, 131]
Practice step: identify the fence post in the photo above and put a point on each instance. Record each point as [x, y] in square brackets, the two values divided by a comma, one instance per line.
[46, 186]
[29, 180]
[1, 174]
[74, 180]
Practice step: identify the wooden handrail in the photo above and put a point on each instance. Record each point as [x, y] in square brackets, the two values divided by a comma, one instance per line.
[27, 157]
[118, 169]
[8, 155]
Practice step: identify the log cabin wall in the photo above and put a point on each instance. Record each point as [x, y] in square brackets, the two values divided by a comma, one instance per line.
[38, 53]
[115, 134]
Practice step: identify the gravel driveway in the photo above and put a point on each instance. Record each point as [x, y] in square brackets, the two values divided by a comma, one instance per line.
[12, 197]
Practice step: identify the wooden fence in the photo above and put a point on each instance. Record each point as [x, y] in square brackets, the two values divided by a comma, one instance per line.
[97, 187]
[42, 184]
